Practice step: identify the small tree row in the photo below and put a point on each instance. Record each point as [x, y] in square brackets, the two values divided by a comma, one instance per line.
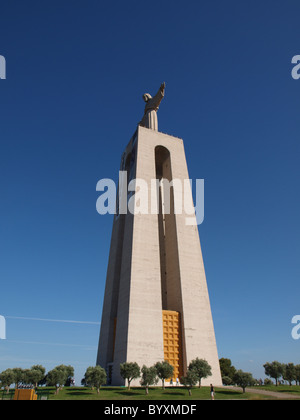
[149, 375]
[21, 377]
[96, 376]
[275, 370]
[36, 376]
[198, 369]
[287, 371]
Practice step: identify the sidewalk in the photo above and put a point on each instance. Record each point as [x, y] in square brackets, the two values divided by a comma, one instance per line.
[280, 395]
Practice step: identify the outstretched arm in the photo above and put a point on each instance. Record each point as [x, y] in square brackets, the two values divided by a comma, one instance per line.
[162, 88]
[159, 96]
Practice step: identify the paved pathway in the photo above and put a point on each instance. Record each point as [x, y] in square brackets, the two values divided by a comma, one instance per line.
[280, 395]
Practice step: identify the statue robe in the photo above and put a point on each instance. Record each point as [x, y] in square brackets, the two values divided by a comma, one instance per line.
[149, 119]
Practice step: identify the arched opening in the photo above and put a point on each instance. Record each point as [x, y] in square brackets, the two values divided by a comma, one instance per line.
[169, 260]
[169, 263]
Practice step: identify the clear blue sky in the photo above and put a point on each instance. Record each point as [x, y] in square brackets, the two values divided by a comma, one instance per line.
[76, 72]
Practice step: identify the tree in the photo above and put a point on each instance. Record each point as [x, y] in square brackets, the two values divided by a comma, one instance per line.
[19, 376]
[95, 377]
[69, 371]
[274, 370]
[164, 371]
[226, 380]
[7, 378]
[42, 371]
[289, 373]
[201, 367]
[149, 377]
[33, 376]
[189, 380]
[297, 374]
[226, 368]
[243, 379]
[58, 376]
[130, 371]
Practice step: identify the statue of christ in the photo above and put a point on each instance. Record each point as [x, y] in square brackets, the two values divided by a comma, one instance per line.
[149, 119]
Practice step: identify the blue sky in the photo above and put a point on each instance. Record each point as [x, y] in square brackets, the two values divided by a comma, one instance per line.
[76, 72]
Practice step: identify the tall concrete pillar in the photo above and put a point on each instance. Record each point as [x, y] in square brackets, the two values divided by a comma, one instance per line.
[156, 305]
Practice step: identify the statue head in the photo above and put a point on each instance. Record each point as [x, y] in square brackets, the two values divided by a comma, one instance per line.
[147, 97]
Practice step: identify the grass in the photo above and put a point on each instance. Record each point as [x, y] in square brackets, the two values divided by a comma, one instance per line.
[171, 393]
[157, 393]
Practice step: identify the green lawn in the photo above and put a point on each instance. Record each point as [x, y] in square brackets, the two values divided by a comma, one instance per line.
[170, 393]
[110, 393]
